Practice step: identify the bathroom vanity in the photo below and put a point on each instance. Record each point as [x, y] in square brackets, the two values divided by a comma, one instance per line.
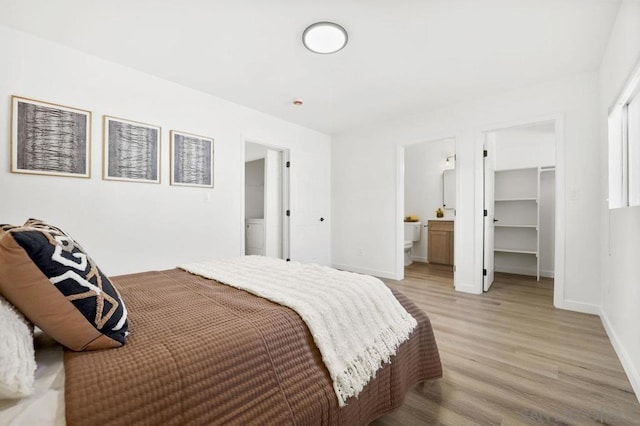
[440, 242]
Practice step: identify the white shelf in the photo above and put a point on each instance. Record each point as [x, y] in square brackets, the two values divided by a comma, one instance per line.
[507, 250]
[517, 205]
[503, 200]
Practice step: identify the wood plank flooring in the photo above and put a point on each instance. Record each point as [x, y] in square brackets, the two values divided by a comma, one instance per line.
[510, 358]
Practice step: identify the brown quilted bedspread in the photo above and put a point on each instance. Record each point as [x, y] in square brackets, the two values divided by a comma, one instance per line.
[203, 353]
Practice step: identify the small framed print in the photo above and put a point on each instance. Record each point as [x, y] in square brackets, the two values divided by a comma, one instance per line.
[191, 160]
[131, 151]
[50, 139]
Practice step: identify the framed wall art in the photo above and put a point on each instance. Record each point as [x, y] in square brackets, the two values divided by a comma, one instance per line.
[50, 139]
[131, 151]
[191, 160]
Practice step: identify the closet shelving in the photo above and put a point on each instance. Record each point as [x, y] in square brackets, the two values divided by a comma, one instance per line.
[517, 210]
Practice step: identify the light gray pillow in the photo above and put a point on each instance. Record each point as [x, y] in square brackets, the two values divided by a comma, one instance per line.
[17, 356]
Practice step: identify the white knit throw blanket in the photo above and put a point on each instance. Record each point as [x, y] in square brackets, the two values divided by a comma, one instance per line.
[355, 320]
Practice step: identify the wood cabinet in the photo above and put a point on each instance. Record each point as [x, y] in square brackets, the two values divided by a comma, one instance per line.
[440, 245]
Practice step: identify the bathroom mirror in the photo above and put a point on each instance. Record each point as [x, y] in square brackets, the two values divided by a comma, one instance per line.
[449, 189]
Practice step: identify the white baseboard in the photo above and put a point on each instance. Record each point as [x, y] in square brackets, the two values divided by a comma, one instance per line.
[419, 259]
[632, 370]
[468, 288]
[585, 308]
[366, 271]
[547, 274]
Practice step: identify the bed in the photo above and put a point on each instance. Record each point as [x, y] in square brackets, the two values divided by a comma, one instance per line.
[206, 353]
[248, 340]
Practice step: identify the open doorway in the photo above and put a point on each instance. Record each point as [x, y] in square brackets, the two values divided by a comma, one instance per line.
[520, 204]
[266, 190]
[429, 207]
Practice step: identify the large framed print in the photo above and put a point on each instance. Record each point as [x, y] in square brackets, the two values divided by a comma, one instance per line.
[191, 160]
[50, 139]
[131, 151]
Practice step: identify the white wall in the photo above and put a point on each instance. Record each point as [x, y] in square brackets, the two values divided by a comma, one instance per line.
[620, 228]
[254, 151]
[531, 146]
[254, 189]
[547, 223]
[366, 173]
[423, 167]
[129, 227]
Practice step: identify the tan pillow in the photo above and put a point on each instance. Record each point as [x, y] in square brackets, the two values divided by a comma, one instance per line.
[51, 280]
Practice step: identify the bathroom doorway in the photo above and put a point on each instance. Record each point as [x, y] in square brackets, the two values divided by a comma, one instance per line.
[266, 201]
[429, 206]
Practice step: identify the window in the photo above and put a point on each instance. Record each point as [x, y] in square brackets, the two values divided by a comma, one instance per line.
[633, 149]
[624, 146]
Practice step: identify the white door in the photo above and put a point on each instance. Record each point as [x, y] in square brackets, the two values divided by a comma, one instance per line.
[286, 206]
[489, 207]
[273, 203]
[310, 215]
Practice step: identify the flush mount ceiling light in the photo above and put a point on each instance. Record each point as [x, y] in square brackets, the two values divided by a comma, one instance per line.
[325, 37]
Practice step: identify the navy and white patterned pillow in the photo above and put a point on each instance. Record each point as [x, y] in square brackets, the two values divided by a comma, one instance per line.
[47, 275]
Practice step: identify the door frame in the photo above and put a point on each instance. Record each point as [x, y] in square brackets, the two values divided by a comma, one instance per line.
[400, 152]
[286, 184]
[560, 208]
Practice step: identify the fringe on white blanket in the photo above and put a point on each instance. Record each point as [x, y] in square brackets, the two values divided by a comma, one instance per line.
[356, 322]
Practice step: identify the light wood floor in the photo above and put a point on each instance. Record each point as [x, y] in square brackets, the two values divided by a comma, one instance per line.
[510, 358]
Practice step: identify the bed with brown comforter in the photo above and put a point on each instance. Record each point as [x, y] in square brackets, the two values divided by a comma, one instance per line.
[201, 352]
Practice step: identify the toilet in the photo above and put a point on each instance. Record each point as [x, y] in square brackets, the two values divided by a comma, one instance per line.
[412, 232]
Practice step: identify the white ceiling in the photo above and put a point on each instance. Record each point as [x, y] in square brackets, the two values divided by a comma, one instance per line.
[402, 56]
